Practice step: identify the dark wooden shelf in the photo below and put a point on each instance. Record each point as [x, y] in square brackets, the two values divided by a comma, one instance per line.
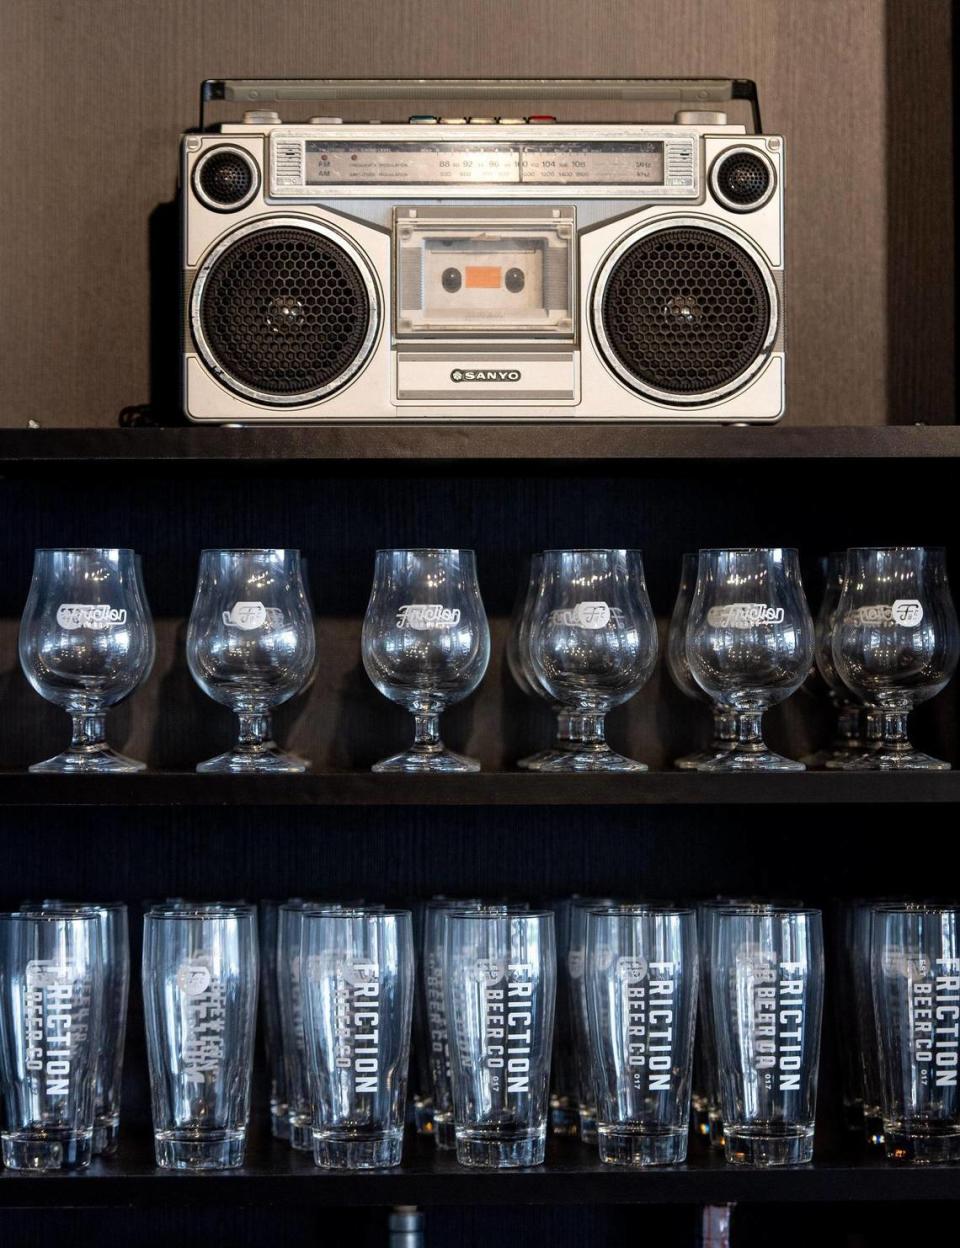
[556, 442]
[572, 1175]
[508, 788]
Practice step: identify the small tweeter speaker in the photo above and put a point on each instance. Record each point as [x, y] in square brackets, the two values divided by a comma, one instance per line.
[684, 312]
[742, 179]
[225, 178]
[285, 310]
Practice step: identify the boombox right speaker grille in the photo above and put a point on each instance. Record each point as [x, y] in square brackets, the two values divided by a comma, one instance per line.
[284, 313]
[685, 312]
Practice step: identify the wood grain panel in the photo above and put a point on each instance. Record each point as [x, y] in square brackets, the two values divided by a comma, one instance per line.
[94, 97]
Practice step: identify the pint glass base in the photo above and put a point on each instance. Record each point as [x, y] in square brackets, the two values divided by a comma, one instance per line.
[92, 759]
[267, 758]
[47, 1149]
[348, 1151]
[196, 1150]
[443, 1129]
[106, 1135]
[769, 1145]
[499, 1150]
[625, 1146]
[923, 1144]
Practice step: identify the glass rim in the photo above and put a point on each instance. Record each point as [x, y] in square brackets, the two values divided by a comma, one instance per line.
[356, 912]
[47, 916]
[769, 912]
[747, 550]
[424, 550]
[641, 908]
[249, 550]
[198, 912]
[58, 903]
[916, 908]
[592, 550]
[298, 904]
[889, 550]
[505, 912]
[82, 550]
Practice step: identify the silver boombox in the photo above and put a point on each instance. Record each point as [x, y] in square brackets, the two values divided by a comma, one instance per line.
[482, 268]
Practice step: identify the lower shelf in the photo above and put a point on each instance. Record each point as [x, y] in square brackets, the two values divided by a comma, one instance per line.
[572, 1176]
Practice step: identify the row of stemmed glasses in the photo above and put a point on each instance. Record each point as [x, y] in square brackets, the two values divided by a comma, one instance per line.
[585, 639]
[886, 639]
[87, 642]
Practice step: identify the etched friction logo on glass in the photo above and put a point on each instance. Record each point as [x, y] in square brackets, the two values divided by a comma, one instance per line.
[203, 1019]
[744, 615]
[648, 992]
[71, 615]
[53, 1022]
[587, 615]
[249, 615]
[357, 1022]
[422, 615]
[902, 613]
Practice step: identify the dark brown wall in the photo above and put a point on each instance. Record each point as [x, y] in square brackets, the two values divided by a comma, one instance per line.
[94, 95]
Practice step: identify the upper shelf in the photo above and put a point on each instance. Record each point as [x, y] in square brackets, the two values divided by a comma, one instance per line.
[557, 442]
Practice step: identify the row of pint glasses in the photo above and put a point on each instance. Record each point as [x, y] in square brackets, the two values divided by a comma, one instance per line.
[628, 992]
[339, 1021]
[64, 980]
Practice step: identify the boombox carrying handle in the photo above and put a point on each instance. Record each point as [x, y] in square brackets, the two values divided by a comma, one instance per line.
[694, 92]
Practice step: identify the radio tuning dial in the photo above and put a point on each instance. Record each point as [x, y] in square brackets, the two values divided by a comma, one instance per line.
[697, 117]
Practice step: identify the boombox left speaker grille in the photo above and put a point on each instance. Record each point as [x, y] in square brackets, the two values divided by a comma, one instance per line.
[684, 313]
[283, 313]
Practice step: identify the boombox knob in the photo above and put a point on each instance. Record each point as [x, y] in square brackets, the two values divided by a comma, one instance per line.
[261, 117]
[694, 117]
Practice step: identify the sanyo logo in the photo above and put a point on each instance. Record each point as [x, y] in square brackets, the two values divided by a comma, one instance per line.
[485, 374]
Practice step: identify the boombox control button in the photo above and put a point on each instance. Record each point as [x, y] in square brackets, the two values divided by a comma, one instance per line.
[453, 121]
[511, 121]
[697, 117]
[482, 121]
[261, 117]
[423, 119]
[326, 121]
[541, 119]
